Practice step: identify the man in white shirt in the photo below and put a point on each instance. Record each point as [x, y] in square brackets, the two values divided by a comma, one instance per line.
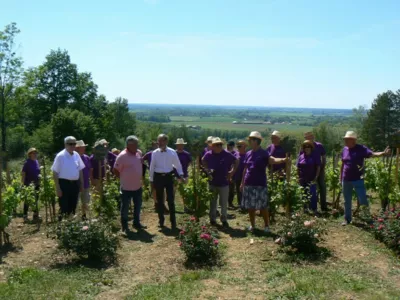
[68, 177]
[163, 162]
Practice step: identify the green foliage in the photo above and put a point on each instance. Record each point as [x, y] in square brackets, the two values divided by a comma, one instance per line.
[106, 208]
[200, 244]
[93, 239]
[196, 193]
[302, 234]
[329, 136]
[72, 122]
[17, 141]
[386, 228]
[42, 139]
[383, 121]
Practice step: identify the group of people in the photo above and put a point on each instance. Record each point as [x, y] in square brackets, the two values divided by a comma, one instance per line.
[241, 171]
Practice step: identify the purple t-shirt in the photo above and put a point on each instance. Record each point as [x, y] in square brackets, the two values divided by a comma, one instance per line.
[111, 158]
[86, 170]
[95, 166]
[318, 151]
[256, 163]
[147, 157]
[239, 172]
[185, 158]
[278, 152]
[353, 162]
[307, 166]
[221, 164]
[31, 169]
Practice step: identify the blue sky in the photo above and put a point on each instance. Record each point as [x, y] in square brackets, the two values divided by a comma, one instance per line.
[295, 53]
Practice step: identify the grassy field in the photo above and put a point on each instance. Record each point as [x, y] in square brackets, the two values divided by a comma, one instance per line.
[225, 123]
[151, 266]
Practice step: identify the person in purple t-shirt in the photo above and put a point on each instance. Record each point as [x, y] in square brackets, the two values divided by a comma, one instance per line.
[254, 182]
[30, 175]
[308, 168]
[319, 151]
[85, 193]
[241, 145]
[353, 157]
[203, 152]
[277, 151]
[221, 166]
[230, 147]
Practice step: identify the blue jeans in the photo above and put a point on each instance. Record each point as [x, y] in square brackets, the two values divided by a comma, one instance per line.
[126, 197]
[310, 191]
[348, 187]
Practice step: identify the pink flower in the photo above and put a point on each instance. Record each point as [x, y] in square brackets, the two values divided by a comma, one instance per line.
[371, 226]
[180, 244]
[182, 232]
[192, 218]
[307, 223]
[85, 228]
[278, 241]
[381, 227]
[380, 220]
[216, 242]
[203, 227]
[289, 234]
[392, 209]
[205, 236]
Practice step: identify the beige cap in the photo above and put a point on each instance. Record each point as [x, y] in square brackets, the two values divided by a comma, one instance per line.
[241, 142]
[350, 135]
[31, 150]
[276, 133]
[216, 140]
[115, 150]
[80, 144]
[209, 139]
[308, 142]
[180, 142]
[255, 134]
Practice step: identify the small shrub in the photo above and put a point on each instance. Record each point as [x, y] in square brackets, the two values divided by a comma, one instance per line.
[302, 233]
[386, 228]
[107, 208]
[93, 239]
[200, 244]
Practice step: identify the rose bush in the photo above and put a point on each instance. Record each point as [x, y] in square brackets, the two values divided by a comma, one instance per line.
[199, 243]
[302, 233]
[386, 228]
[93, 239]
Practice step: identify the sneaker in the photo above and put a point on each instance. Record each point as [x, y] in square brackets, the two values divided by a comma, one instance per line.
[250, 228]
[266, 229]
[345, 223]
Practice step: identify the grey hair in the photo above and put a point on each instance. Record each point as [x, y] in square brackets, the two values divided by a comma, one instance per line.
[69, 138]
[163, 136]
[131, 138]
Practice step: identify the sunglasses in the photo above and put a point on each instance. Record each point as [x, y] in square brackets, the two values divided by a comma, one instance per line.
[218, 145]
[71, 144]
[239, 146]
[307, 147]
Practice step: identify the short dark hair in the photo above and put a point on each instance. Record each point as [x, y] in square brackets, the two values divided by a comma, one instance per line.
[231, 144]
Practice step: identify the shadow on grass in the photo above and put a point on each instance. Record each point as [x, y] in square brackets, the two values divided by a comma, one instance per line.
[8, 248]
[74, 263]
[317, 256]
[232, 232]
[141, 235]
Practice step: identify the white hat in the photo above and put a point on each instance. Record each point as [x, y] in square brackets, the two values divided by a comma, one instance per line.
[209, 139]
[255, 134]
[276, 133]
[180, 142]
[350, 135]
[31, 150]
[216, 140]
[103, 141]
[80, 144]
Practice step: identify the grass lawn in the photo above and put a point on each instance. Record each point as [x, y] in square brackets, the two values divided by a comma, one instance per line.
[151, 266]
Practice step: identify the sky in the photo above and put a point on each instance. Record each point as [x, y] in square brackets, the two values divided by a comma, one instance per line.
[286, 53]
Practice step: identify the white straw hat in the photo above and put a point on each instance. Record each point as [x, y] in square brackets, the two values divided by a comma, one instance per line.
[80, 144]
[209, 139]
[350, 135]
[216, 140]
[180, 142]
[255, 134]
[276, 133]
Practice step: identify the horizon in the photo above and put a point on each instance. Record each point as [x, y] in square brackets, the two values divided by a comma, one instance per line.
[315, 54]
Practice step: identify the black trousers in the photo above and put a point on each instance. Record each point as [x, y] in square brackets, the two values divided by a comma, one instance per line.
[69, 198]
[231, 193]
[238, 192]
[165, 182]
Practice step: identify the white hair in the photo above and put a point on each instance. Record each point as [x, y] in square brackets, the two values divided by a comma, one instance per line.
[69, 138]
[132, 138]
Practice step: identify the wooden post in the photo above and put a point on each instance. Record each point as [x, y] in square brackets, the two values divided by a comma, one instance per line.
[288, 174]
[397, 166]
[1, 197]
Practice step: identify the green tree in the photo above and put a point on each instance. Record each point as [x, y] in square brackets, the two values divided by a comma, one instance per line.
[72, 122]
[329, 136]
[383, 121]
[10, 74]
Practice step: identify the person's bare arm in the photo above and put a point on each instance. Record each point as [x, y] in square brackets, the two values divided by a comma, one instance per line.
[116, 173]
[383, 153]
[23, 174]
[244, 173]
[276, 161]
[317, 175]
[233, 170]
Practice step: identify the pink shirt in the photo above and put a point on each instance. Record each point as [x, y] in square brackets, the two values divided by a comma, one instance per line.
[130, 168]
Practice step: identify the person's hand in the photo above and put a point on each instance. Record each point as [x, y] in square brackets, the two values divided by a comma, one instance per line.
[387, 151]
[81, 189]
[59, 193]
[185, 181]
[241, 187]
[180, 180]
